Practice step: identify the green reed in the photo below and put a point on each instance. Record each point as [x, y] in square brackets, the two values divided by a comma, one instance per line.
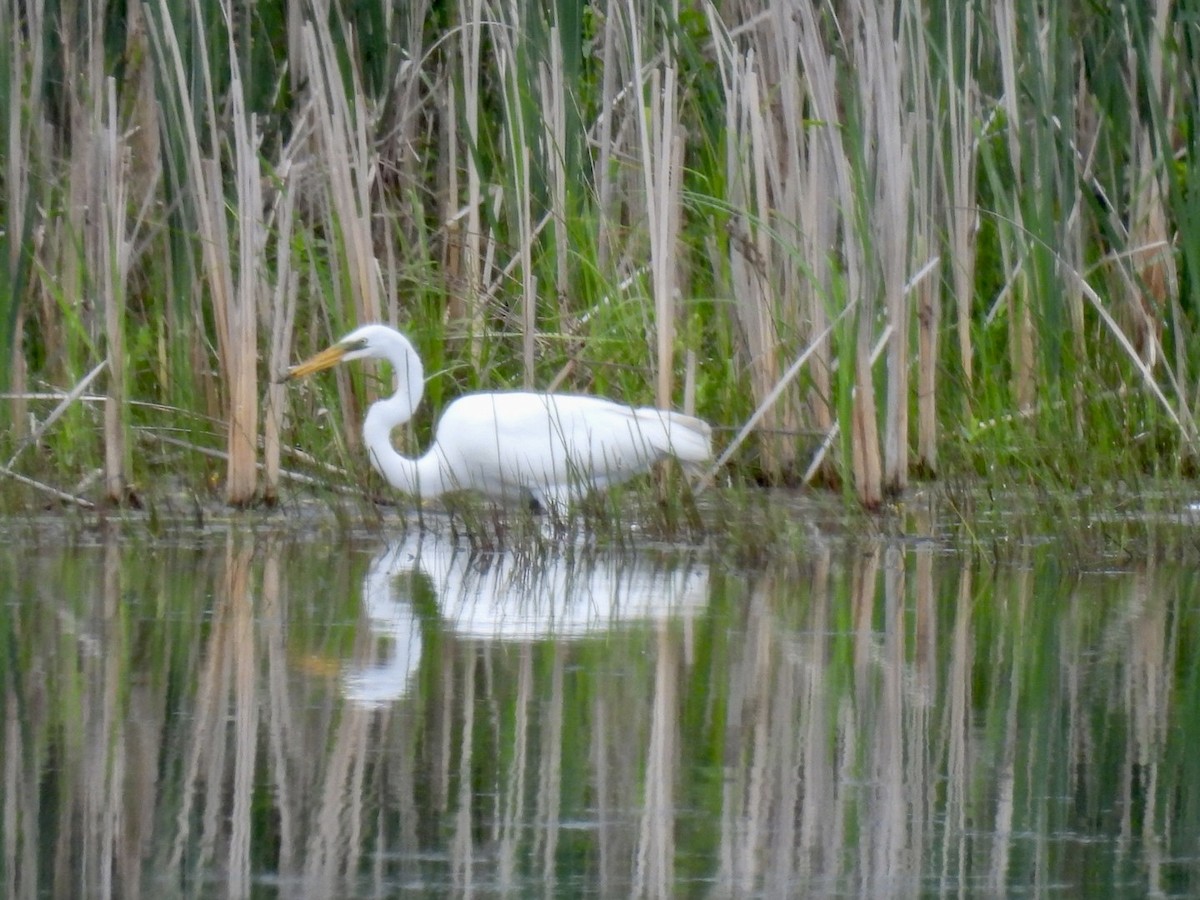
[873, 229]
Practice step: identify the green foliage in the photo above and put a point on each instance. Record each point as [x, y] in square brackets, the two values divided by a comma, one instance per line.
[1080, 134]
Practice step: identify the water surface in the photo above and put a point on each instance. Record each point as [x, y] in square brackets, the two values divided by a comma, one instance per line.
[266, 717]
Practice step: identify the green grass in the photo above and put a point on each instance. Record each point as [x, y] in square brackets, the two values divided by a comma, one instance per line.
[445, 191]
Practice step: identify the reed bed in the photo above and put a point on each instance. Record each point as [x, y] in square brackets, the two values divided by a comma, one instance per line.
[900, 238]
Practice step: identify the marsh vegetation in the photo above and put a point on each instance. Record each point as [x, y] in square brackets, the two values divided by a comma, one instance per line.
[869, 241]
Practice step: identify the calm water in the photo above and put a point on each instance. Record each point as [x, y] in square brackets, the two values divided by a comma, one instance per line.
[266, 718]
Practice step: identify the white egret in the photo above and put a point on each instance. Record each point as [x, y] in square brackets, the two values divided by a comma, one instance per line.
[553, 447]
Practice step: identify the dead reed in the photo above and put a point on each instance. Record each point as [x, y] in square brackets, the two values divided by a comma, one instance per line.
[591, 200]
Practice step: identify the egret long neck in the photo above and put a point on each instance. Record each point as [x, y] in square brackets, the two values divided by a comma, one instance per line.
[422, 476]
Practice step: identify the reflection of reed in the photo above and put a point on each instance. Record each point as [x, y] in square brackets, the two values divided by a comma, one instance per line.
[884, 722]
[654, 871]
[832, 776]
[226, 700]
[1150, 646]
[955, 738]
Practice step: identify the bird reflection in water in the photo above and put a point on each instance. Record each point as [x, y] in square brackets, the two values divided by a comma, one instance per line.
[508, 596]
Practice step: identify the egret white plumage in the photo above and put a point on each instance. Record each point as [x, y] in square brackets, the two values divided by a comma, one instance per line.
[553, 447]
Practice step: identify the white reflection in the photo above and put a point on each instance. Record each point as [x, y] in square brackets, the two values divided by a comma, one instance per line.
[511, 596]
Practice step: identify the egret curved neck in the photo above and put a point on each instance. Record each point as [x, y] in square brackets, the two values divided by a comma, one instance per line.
[421, 477]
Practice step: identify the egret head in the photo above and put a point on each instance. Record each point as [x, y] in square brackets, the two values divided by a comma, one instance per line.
[369, 341]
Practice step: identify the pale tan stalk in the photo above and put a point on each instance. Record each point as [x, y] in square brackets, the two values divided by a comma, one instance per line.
[803, 220]
[1155, 288]
[341, 112]
[927, 195]
[554, 135]
[25, 114]
[961, 212]
[111, 264]
[867, 470]
[606, 147]
[471, 15]
[347, 164]
[1073, 251]
[508, 36]
[751, 252]
[282, 318]
[525, 252]
[1020, 318]
[204, 182]
[241, 486]
[881, 77]
[661, 152]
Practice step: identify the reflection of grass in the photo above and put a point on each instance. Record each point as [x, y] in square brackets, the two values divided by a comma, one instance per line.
[1014, 718]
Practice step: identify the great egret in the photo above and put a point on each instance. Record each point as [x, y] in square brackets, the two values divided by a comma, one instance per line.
[553, 447]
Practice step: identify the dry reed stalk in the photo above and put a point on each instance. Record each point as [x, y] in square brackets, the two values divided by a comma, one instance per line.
[888, 144]
[341, 113]
[72, 245]
[803, 222]
[752, 260]
[508, 37]
[24, 83]
[962, 215]
[1156, 287]
[661, 156]
[470, 41]
[866, 464]
[454, 246]
[348, 165]
[282, 318]
[607, 150]
[110, 262]
[524, 200]
[202, 182]
[554, 140]
[1073, 251]
[927, 200]
[864, 431]
[241, 367]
